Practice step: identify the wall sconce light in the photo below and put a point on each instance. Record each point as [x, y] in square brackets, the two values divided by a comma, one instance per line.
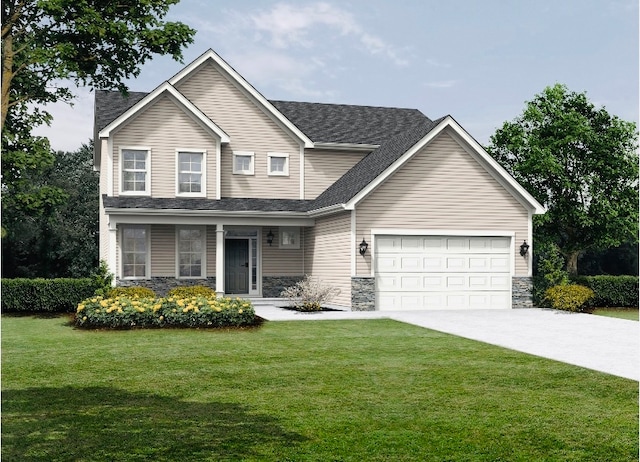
[363, 247]
[270, 238]
[524, 248]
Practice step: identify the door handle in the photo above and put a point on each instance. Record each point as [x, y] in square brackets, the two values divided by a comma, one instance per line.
[246, 265]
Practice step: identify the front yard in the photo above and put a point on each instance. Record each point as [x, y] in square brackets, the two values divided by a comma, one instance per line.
[370, 390]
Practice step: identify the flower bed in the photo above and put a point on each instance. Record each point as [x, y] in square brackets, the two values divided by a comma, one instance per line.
[126, 312]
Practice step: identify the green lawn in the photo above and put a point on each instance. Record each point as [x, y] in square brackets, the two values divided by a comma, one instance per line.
[369, 390]
[623, 313]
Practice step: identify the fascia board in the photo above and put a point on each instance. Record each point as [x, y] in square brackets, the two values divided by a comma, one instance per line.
[247, 87]
[178, 97]
[179, 216]
[326, 210]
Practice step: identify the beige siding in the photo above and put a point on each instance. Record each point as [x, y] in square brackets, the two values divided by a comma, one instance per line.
[250, 129]
[281, 262]
[164, 127]
[211, 251]
[328, 254]
[163, 251]
[442, 188]
[323, 168]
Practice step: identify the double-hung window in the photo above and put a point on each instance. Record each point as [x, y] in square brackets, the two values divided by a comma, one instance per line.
[136, 171]
[191, 252]
[191, 173]
[243, 163]
[135, 252]
[278, 164]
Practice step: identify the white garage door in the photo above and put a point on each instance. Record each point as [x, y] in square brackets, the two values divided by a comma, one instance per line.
[442, 272]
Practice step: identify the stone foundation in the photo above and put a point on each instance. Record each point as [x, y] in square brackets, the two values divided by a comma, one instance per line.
[363, 294]
[522, 292]
[273, 285]
[162, 285]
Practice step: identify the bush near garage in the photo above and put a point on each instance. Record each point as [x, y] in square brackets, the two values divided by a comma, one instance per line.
[569, 297]
[124, 312]
[612, 291]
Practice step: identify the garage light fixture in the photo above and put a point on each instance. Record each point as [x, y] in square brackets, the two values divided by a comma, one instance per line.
[270, 238]
[363, 247]
[524, 248]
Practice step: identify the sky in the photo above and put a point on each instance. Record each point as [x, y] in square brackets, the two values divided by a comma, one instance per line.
[476, 60]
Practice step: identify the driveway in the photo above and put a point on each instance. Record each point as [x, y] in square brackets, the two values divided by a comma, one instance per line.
[600, 343]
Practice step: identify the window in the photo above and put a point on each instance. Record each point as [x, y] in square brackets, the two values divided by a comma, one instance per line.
[278, 164]
[135, 254]
[191, 168]
[289, 238]
[243, 163]
[135, 171]
[191, 252]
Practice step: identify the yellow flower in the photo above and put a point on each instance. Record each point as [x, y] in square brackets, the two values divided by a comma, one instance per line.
[184, 310]
[217, 308]
[239, 311]
[174, 310]
[80, 307]
[104, 303]
[84, 318]
[180, 302]
[161, 318]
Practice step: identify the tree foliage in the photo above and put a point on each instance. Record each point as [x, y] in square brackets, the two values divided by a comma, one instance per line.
[581, 163]
[48, 45]
[62, 240]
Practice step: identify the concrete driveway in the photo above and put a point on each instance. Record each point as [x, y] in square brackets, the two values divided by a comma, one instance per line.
[600, 343]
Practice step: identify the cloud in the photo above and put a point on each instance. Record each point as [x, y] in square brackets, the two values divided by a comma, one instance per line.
[442, 84]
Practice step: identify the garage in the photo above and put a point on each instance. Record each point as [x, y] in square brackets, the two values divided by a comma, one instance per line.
[442, 272]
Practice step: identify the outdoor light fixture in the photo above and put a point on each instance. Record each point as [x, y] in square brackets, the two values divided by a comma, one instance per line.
[363, 247]
[270, 238]
[524, 248]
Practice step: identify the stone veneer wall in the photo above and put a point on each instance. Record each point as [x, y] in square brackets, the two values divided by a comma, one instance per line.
[162, 285]
[363, 294]
[522, 292]
[273, 285]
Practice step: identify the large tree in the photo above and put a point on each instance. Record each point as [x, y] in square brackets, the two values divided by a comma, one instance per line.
[581, 163]
[50, 45]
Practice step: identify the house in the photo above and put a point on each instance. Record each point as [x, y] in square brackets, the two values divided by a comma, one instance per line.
[205, 181]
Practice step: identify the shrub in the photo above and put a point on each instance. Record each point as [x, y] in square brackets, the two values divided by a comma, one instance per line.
[45, 295]
[570, 297]
[612, 291]
[550, 272]
[135, 291]
[103, 278]
[309, 294]
[130, 312]
[191, 291]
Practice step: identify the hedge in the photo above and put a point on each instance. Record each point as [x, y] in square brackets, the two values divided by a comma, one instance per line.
[48, 295]
[612, 291]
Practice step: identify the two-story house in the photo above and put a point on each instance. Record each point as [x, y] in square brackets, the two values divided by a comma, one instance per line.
[205, 181]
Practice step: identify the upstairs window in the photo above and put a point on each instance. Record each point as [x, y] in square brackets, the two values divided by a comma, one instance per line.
[243, 163]
[135, 171]
[278, 164]
[191, 179]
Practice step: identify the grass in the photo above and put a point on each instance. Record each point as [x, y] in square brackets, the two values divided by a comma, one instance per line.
[623, 313]
[367, 390]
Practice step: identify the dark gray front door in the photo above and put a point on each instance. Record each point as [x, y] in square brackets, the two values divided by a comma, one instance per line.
[236, 255]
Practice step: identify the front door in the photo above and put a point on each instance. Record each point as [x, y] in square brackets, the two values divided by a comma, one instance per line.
[236, 279]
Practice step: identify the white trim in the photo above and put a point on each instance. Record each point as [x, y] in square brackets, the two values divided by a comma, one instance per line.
[252, 167]
[112, 258]
[147, 229]
[269, 108]
[302, 171]
[354, 242]
[448, 122]
[219, 260]
[203, 173]
[218, 194]
[203, 256]
[147, 179]
[444, 232]
[326, 210]
[529, 255]
[279, 155]
[187, 105]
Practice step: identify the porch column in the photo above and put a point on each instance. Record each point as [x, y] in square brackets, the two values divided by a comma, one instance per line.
[220, 260]
[112, 252]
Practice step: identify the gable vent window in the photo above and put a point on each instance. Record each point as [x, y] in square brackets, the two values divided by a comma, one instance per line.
[191, 171]
[278, 164]
[135, 171]
[243, 163]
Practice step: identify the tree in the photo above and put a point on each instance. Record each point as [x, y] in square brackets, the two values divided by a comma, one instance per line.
[48, 45]
[581, 163]
[62, 241]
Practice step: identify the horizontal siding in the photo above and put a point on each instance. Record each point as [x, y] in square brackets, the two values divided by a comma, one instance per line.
[323, 168]
[328, 254]
[163, 251]
[442, 188]
[250, 129]
[164, 127]
[211, 251]
[281, 262]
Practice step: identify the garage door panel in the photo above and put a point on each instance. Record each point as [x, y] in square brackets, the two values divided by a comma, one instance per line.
[442, 272]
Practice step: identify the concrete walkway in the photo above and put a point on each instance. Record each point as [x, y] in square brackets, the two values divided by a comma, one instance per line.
[600, 343]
